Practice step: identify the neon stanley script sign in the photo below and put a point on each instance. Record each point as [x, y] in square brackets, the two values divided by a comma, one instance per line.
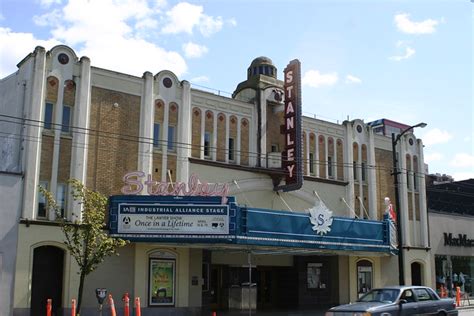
[137, 181]
[292, 128]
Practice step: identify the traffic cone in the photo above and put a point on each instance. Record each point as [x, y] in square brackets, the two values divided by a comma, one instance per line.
[112, 306]
[73, 307]
[126, 305]
[49, 307]
[137, 307]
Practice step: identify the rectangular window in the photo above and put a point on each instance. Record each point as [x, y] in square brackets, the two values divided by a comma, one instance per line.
[231, 149]
[156, 135]
[48, 115]
[171, 138]
[42, 200]
[207, 144]
[415, 181]
[313, 276]
[311, 163]
[408, 180]
[61, 192]
[363, 171]
[66, 122]
[330, 167]
[274, 148]
[354, 166]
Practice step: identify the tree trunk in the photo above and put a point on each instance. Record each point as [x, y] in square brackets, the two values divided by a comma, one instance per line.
[79, 294]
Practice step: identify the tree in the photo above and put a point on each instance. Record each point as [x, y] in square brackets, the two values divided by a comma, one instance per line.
[87, 239]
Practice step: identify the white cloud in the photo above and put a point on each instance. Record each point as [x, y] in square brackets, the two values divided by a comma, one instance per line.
[192, 50]
[184, 17]
[458, 176]
[409, 52]
[111, 32]
[315, 79]
[353, 79]
[429, 158]
[19, 45]
[405, 25]
[232, 22]
[200, 79]
[463, 160]
[48, 3]
[50, 18]
[436, 136]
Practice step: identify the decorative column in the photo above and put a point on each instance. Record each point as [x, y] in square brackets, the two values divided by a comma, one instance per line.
[316, 154]
[184, 134]
[349, 166]
[307, 153]
[80, 140]
[239, 139]
[34, 110]
[422, 195]
[164, 141]
[147, 120]
[403, 189]
[203, 133]
[372, 176]
[334, 158]
[226, 159]
[214, 136]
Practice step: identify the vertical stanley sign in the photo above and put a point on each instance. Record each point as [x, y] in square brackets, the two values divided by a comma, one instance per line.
[291, 156]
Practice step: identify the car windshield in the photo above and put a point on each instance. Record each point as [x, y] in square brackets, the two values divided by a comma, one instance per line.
[380, 295]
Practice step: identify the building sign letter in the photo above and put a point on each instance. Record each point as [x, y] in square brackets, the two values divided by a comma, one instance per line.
[291, 155]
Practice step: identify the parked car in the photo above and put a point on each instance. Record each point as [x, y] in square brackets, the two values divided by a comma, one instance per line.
[397, 301]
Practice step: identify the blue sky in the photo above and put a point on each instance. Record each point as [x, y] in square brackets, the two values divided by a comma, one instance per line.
[408, 61]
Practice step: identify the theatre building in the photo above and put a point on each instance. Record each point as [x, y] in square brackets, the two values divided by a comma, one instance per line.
[213, 192]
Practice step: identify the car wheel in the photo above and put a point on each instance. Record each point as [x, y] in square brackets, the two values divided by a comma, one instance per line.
[441, 314]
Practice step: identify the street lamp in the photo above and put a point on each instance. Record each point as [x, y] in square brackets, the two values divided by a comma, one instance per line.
[401, 271]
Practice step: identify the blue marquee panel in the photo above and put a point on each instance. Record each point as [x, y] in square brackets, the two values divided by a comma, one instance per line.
[294, 229]
[250, 226]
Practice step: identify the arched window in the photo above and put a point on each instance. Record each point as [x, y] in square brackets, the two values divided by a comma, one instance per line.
[364, 277]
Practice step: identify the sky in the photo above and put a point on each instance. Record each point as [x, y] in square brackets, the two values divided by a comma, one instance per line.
[407, 61]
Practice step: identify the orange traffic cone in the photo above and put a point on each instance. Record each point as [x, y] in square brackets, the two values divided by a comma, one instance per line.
[112, 306]
[49, 307]
[137, 307]
[73, 307]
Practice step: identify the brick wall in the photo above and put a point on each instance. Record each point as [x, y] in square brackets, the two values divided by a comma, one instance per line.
[383, 161]
[46, 162]
[113, 150]
[64, 173]
[244, 142]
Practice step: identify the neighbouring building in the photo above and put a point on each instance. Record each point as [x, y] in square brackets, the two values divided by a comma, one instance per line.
[451, 219]
[267, 181]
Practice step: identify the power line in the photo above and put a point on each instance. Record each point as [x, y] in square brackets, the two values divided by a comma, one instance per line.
[146, 140]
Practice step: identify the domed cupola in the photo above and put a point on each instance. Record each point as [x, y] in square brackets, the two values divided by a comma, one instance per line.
[262, 66]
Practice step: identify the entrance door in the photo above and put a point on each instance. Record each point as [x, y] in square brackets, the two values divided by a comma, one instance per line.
[416, 273]
[266, 287]
[47, 280]
[218, 296]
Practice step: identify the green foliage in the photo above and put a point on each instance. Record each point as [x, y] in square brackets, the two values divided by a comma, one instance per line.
[87, 240]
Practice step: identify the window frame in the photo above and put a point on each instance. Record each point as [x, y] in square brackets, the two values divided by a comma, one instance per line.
[44, 184]
[156, 138]
[208, 146]
[231, 152]
[48, 125]
[171, 140]
[66, 129]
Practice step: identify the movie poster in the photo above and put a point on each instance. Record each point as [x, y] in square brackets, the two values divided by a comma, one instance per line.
[162, 282]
